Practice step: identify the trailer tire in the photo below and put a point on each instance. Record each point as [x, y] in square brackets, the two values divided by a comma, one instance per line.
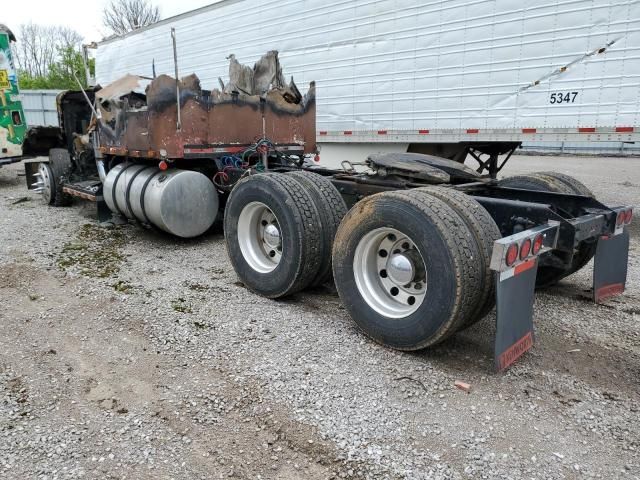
[485, 232]
[273, 212]
[441, 241]
[559, 183]
[331, 209]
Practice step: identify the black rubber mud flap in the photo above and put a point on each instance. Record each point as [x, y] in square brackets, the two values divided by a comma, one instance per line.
[515, 289]
[102, 210]
[514, 313]
[610, 266]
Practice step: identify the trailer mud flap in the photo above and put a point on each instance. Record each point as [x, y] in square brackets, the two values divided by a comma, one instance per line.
[514, 313]
[610, 266]
[515, 262]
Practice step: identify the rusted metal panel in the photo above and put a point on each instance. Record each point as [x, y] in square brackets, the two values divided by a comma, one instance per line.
[195, 122]
[235, 121]
[280, 113]
[163, 133]
[286, 126]
[136, 135]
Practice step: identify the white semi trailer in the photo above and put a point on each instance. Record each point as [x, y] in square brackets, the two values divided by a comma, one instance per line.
[420, 76]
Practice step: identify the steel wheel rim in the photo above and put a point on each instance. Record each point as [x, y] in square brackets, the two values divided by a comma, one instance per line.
[45, 182]
[259, 237]
[390, 273]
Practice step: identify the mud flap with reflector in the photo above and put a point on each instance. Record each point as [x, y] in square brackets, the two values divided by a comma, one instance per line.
[610, 266]
[516, 282]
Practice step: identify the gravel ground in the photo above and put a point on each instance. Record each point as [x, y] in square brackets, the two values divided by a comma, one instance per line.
[127, 353]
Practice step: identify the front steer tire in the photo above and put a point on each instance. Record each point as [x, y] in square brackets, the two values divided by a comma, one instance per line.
[287, 205]
[442, 241]
[60, 168]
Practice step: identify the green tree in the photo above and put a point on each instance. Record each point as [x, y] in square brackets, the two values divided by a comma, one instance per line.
[49, 56]
[60, 75]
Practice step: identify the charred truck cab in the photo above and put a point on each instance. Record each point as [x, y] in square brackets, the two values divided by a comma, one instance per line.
[420, 247]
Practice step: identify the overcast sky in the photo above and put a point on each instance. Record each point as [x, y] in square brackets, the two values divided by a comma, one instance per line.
[84, 16]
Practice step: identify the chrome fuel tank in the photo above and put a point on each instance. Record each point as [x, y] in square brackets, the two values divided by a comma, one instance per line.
[181, 202]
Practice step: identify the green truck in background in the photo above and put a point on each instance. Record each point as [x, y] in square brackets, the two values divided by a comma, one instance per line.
[12, 121]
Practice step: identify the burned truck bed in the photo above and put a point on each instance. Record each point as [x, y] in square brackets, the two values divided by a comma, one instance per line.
[255, 103]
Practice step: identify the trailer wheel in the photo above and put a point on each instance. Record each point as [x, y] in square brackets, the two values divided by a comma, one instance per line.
[485, 232]
[560, 183]
[403, 269]
[273, 234]
[331, 210]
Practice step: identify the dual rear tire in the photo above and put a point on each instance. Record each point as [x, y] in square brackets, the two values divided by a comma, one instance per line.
[411, 267]
[279, 230]
[390, 242]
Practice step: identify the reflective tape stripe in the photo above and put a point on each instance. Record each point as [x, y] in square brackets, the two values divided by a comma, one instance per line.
[523, 267]
[518, 269]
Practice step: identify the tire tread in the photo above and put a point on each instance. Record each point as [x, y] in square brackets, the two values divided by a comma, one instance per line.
[305, 215]
[331, 209]
[485, 232]
[457, 237]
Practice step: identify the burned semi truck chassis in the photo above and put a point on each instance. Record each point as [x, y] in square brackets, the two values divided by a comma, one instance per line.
[419, 247]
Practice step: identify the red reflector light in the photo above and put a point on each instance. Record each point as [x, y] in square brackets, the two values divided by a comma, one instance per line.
[512, 254]
[525, 249]
[163, 165]
[620, 217]
[537, 244]
[628, 216]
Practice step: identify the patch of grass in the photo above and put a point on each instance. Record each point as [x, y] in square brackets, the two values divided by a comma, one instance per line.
[94, 253]
[181, 305]
[123, 286]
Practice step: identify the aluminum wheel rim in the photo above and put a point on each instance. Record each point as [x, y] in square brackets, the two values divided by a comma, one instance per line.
[44, 183]
[382, 274]
[259, 237]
